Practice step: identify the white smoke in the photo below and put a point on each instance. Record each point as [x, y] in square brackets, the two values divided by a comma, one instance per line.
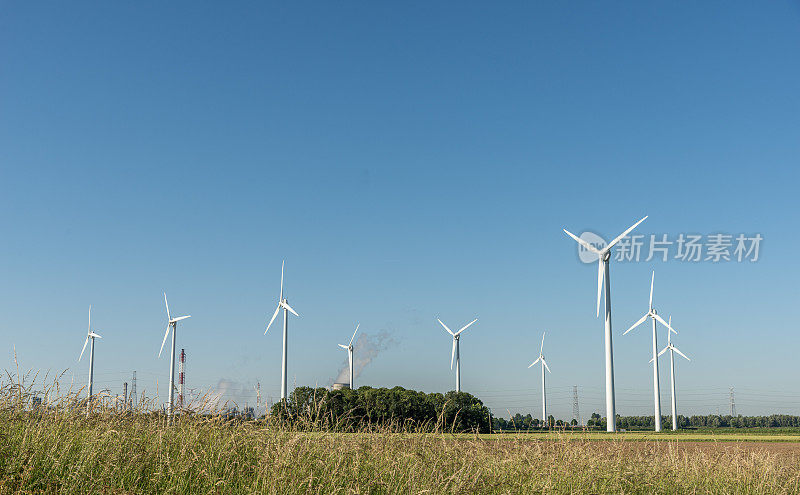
[226, 394]
[364, 351]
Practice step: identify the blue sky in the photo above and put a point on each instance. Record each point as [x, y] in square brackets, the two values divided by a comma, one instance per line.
[408, 161]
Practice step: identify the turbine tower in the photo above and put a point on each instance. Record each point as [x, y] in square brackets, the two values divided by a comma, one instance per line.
[653, 315]
[283, 303]
[544, 365]
[603, 259]
[349, 348]
[89, 335]
[173, 323]
[456, 350]
[672, 350]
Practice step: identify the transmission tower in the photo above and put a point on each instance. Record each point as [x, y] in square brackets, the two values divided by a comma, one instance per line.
[733, 404]
[181, 378]
[258, 398]
[576, 413]
[132, 397]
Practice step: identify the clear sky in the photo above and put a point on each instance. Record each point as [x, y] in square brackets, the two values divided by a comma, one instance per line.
[408, 161]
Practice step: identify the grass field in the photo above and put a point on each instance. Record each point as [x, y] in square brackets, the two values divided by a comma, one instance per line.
[67, 453]
[59, 450]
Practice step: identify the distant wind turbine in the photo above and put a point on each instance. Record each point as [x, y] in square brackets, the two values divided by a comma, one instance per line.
[603, 259]
[544, 365]
[672, 350]
[456, 350]
[653, 315]
[89, 335]
[173, 323]
[349, 349]
[283, 303]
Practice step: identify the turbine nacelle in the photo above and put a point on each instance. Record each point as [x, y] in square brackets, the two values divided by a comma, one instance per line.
[603, 255]
[171, 322]
[282, 303]
[456, 337]
[651, 313]
[89, 334]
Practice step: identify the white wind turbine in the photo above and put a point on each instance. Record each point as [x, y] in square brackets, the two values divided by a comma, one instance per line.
[544, 365]
[171, 322]
[653, 315]
[349, 349]
[282, 303]
[456, 350]
[672, 350]
[89, 335]
[603, 259]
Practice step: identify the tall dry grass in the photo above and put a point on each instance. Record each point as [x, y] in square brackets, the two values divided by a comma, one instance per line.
[58, 449]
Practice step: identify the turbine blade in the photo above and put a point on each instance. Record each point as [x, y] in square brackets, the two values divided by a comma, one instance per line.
[652, 279]
[281, 296]
[84, 348]
[537, 360]
[181, 318]
[343, 346]
[682, 354]
[453, 354]
[167, 305]
[541, 348]
[354, 333]
[600, 277]
[90, 320]
[445, 327]
[274, 315]
[164, 341]
[545, 365]
[582, 242]
[95, 335]
[662, 352]
[617, 239]
[660, 319]
[641, 320]
[466, 326]
[285, 305]
[669, 333]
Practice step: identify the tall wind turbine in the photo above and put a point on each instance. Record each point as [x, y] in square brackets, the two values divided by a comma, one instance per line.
[672, 350]
[603, 259]
[544, 365]
[456, 350]
[653, 315]
[173, 323]
[89, 335]
[349, 348]
[282, 303]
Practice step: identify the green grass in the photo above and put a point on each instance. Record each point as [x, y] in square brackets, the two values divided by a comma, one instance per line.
[60, 450]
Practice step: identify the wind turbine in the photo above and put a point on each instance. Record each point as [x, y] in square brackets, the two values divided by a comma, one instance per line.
[171, 322]
[89, 335]
[653, 315]
[456, 350]
[349, 348]
[544, 365]
[603, 259]
[672, 350]
[282, 303]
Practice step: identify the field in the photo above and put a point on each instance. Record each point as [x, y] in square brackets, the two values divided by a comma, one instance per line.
[58, 449]
[67, 453]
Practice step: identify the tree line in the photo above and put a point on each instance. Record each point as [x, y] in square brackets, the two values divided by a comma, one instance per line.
[365, 407]
[526, 422]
